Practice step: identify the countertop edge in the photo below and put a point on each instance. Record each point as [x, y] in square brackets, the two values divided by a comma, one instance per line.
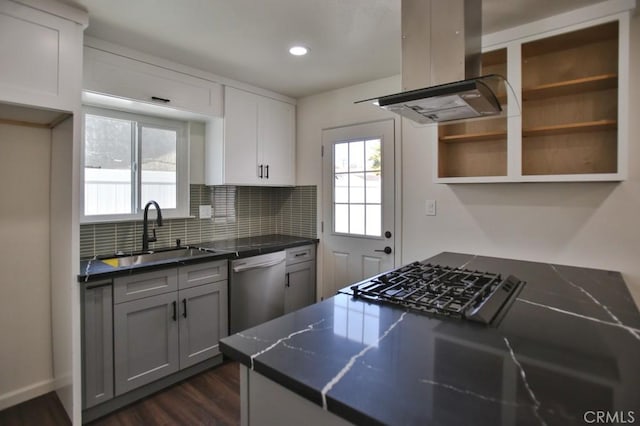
[83, 277]
[310, 394]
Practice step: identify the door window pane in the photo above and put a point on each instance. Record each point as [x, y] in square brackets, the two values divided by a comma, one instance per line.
[373, 154]
[107, 165]
[357, 196]
[158, 166]
[356, 156]
[374, 188]
[374, 219]
[341, 188]
[341, 218]
[356, 188]
[341, 157]
[356, 219]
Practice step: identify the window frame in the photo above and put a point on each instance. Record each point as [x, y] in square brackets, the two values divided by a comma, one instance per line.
[364, 204]
[182, 164]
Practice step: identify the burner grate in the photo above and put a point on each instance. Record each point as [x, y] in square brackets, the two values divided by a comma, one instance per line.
[439, 290]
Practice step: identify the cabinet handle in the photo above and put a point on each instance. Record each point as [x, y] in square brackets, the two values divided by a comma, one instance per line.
[266, 174]
[165, 100]
[174, 316]
[261, 169]
[304, 253]
[287, 283]
[184, 306]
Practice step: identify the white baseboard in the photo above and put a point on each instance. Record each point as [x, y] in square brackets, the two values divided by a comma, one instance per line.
[26, 393]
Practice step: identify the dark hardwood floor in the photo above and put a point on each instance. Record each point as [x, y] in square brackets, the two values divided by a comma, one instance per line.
[45, 410]
[210, 398]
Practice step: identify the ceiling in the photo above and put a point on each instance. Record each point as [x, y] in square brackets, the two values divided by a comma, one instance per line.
[247, 40]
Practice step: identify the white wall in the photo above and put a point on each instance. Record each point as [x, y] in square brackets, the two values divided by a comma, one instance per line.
[585, 224]
[25, 293]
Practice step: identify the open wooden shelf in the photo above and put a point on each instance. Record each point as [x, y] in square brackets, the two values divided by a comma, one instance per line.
[579, 85]
[567, 41]
[571, 128]
[471, 137]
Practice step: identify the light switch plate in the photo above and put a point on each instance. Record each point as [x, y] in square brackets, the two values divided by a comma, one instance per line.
[430, 207]
[205, 212]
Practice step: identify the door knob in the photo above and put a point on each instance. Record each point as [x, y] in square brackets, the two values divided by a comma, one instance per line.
[387, 234]
[386, 250]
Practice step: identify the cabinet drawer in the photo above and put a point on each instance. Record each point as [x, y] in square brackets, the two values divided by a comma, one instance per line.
[123, 77]
[202, 273]
[144, 285]
[301, 254]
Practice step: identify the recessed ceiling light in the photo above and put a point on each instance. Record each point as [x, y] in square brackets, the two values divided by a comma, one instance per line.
[298, 50]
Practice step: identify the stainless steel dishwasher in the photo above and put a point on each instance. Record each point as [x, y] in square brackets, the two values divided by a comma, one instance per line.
[256, 290]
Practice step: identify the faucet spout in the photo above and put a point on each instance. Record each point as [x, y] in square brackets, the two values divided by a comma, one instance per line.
[146, 239]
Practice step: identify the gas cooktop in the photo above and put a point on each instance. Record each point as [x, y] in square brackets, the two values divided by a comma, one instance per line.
[443, 291]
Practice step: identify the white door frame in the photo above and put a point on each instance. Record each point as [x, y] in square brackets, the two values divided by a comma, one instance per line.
[397, 225]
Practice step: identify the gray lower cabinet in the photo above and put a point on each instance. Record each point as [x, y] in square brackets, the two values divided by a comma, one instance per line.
[145, 341]
[97, 343]
[300, 284]
[159, 334]
[203, 321]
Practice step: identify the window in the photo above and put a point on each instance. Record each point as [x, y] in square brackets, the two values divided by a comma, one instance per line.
[129, 159]
[357, 190]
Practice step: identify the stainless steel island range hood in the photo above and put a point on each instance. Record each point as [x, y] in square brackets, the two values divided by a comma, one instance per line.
[441, 64]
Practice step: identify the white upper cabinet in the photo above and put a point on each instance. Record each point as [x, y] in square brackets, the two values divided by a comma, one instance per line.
[115, 75]
[571, 86]
[276, 150]
[256, 144]
[41, 55]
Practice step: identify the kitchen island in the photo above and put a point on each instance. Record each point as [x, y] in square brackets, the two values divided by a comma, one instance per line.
[566, 351]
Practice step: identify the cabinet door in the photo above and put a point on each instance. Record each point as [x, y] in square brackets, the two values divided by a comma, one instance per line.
[300, 290]
[276, 135]
[41, 58]
[113, 74]
[97, 344]
[240, 137]
[145, 341]
[203, 322]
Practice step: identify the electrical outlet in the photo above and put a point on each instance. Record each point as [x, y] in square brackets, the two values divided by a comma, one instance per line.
[430, 207]
[205, 212]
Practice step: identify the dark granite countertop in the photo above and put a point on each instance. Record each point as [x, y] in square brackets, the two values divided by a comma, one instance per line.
[568, 346]
[95, 269]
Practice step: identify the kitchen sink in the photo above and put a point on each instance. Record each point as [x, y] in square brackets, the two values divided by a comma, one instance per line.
[142, 258]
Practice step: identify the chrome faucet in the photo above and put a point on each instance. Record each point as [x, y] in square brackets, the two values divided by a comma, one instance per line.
[145, 225]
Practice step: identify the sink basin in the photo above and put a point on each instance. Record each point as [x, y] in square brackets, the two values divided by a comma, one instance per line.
[141, 259]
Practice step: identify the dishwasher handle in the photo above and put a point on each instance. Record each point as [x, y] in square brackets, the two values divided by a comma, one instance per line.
[250, 266]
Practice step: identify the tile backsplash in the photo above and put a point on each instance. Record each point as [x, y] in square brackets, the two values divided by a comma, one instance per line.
[238, 211]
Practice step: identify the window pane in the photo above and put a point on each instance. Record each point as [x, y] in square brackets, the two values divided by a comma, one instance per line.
[373, 154]
[356, 219]
[374, 220]
[107, 165]
[341, 188]
[158, 166]
[341, 218]
[341, 157]
[374, 187]
[356, 156]
[356, 187]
